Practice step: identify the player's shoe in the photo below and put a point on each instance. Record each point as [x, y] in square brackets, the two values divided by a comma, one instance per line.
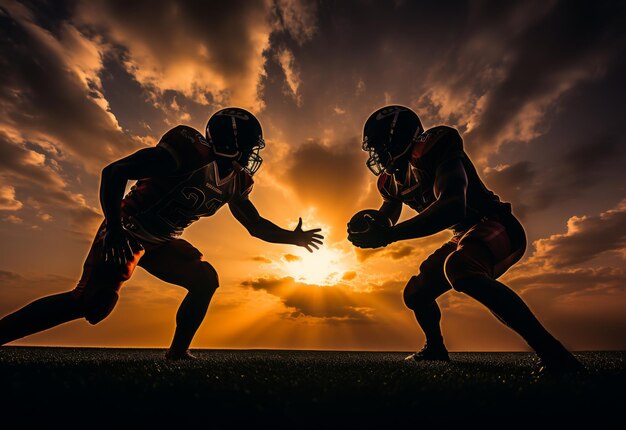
[179, 355]
[430, 353]
[559, 362]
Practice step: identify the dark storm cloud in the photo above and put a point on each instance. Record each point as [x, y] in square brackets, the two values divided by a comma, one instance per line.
[587, 237]
[528, 56]
[333, 303]
[50, 90]
[535, 186]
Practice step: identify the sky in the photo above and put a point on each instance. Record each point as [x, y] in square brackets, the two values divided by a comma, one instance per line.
[536, 90]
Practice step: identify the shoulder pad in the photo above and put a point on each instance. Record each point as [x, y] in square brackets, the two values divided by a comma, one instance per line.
[440, 140]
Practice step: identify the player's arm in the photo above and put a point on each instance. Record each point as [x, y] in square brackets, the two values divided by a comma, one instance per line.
[392, 209]
[145, 163]
[245, 212]
[448, 210]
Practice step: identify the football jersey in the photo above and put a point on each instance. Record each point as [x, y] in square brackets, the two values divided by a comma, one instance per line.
[433, 148]
[159, 208]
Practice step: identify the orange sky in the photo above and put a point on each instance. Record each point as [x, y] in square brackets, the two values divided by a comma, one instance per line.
[536, 97]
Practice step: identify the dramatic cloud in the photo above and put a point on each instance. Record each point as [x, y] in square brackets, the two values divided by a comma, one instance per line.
[292, 75]
[531, 186]
[39, 178]
[199, 49]
[297, 18]
[587, 237]
[70, 115]
[334, 303]
[498, 86]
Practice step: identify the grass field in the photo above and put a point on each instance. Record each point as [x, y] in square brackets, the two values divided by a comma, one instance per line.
[301, 389]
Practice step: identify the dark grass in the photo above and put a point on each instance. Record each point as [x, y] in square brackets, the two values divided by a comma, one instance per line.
[301, 389]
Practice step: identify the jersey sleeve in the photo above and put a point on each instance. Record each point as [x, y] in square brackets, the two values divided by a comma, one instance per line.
[384, 188]
[186, 145]
[436, 147]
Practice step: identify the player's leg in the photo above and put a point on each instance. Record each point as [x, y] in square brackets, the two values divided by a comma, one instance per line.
[180, 263]
[40, 315]
[420, 296]
[93, 298]
[484, 254]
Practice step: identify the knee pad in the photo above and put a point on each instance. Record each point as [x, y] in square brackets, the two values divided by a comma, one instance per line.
[99, 305]
[461, 265]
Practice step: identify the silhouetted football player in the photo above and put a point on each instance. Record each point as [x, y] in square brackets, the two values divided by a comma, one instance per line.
[430, 172]
[185, 177]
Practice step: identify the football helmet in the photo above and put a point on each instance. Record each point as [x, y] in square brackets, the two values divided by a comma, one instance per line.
[388, 134]
[236, 133]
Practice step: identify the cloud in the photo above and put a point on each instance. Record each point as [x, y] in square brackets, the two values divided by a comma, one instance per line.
[17, 290]
[348, 276]
[587, 237]
[297, 18]
[13, 219]
[39, 178]
[292, 75]
[395, 252]
[7, 199]
[71, 116]
[532, 186]
[261, 259]
[498, 86]
[203, 50]
[337, 303]
[290, 258]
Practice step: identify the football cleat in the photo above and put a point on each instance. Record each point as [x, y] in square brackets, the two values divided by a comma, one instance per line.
[560, 362]
[430, 353]
[179, 356]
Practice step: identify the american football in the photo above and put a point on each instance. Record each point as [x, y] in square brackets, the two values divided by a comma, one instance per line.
[361, 221]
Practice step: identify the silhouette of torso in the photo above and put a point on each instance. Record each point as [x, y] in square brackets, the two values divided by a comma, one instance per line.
[415, 187]
[159, 208]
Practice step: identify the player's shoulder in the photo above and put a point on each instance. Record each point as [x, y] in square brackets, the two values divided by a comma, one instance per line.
[184, 132]
[435, 140]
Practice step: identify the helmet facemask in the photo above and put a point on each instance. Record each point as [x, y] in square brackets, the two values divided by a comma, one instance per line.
[253, 160]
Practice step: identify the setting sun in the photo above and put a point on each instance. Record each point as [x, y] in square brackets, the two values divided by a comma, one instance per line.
[325, 266]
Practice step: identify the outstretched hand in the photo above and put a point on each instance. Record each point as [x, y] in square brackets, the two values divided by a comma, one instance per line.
[119, 246]
[307, 239]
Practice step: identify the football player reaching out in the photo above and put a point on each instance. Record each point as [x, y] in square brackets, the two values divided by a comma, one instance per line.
[184, 177]
[430, 172]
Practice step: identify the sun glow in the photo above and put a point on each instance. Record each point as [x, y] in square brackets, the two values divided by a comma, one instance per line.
[325, 266]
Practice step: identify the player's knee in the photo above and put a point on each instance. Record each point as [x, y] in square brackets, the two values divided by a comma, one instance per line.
[413, 295]
[458, 267]
[98, 306]
[205, 282]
